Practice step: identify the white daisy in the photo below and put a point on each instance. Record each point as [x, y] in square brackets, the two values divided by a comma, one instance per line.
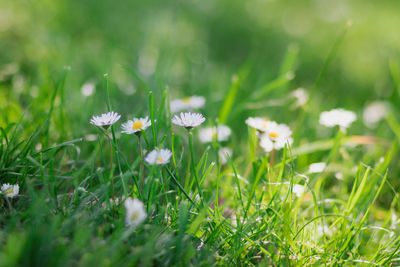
[298, 189]
[258, 123]
[208, 134]
[375, 112]
[10, 190]
[135, 213]
[88, 89]
[136, 126]
[340, 117]
[317, 167]
[188, 120]
[301, 97]
[223, 154]
[158, 157]
[187, 103]
[276, 137]
[106, 119]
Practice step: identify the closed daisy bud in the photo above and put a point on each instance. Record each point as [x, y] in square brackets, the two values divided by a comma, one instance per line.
[135, 213]
[105, 120]
[136, 125]
[158, 157]
[340, 117]
[10, 190]
[188, 103]
[188, 120]
[220, 133]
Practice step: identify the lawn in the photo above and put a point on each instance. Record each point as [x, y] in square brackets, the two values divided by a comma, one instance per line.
[199, 133]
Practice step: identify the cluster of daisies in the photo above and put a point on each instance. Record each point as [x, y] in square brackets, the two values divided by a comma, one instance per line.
[135, 212]
[272, 136]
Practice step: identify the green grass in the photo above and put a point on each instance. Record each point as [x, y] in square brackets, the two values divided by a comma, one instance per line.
[245, 59]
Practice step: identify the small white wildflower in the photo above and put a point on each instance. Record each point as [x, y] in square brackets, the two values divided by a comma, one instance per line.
[187, 103]
[298, 189]
[10, 190]
[81, 189]
[301, 97]
[339, 176]
[258, 123]
[276, 137]
[208, 134]
[38, 147]
[340, 117]
[188, 120]
[88, 89]
[91, 137]
[135, 213]
[158, 157]
[223, 154]
[375, 112]
[136, 125]
[105, 120]
[321, 230]
[317, 167]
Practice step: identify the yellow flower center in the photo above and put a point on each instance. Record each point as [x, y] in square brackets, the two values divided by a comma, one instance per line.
[8, 192]
[264, 124]
[137, 125]
[273, 135]
[134, 216]
[160, 159]
[186, 100]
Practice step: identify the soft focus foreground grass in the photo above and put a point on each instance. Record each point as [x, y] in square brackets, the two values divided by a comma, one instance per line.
[245, 58]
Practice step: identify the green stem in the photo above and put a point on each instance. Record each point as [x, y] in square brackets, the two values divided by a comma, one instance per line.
[194, 171]
[141, 170]
[216, 205]
[111, 167]
[115, 144]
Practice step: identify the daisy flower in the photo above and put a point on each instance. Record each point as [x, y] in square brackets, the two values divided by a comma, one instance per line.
[301, 97]
[317, 167]
[158, 157]
[187, 103]
[341, 117]
[298, 190]
[276, 137]
[136, 125]
[221, 133]
[258, 123]
[10, 190]
[223, 154]
[375, 112]
[188, 120]
[135, 213]
[105, 120]
[88, 89]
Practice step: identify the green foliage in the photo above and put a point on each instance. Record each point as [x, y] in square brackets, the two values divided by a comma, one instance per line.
[246, 58]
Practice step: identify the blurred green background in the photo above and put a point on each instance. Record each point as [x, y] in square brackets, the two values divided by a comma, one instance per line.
[191, 47]
[200, 47]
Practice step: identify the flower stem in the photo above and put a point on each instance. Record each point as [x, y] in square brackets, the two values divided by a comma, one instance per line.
[216, 204]
[111, 167]
[141, 172]
[194, 171]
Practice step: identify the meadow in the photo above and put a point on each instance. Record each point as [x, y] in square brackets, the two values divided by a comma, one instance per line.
[199, 133]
